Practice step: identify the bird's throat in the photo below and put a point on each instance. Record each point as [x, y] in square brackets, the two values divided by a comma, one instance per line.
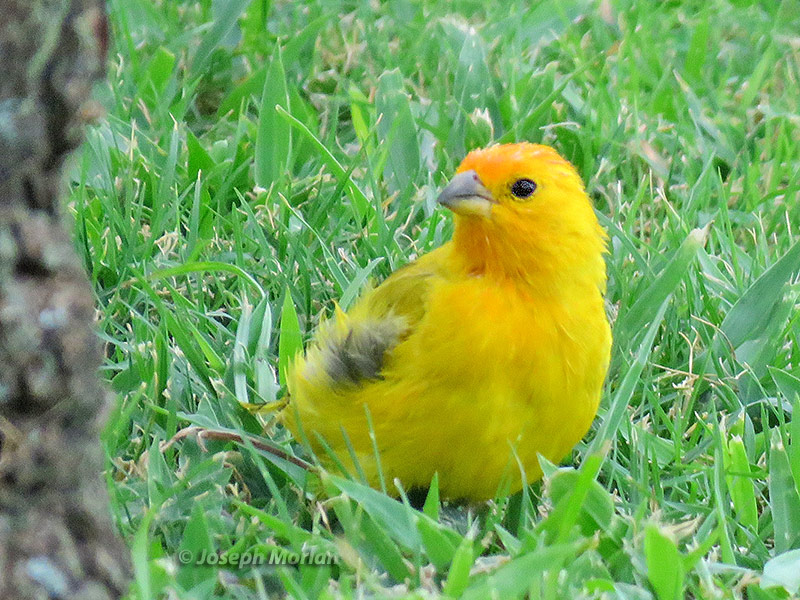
[545, 264]
[481, 249]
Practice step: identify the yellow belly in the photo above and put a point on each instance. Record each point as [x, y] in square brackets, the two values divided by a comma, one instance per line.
[488, 379]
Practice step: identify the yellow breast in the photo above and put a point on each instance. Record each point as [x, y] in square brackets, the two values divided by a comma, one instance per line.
[489, 373]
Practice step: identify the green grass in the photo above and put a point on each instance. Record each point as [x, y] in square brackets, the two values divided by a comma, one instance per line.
[260, 160]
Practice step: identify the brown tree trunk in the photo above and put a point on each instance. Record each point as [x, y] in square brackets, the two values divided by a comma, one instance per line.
[56, 535]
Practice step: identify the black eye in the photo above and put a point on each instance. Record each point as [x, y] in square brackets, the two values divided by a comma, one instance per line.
[523, 188]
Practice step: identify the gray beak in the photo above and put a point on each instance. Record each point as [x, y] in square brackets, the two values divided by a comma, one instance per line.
[466, 195]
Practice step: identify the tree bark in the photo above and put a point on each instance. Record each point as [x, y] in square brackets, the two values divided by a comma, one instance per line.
[56, 535]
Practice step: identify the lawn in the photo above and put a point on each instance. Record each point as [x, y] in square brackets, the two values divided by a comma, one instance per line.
[258, 161]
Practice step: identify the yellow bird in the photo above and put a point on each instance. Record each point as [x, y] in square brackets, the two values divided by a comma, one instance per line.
[478, 356]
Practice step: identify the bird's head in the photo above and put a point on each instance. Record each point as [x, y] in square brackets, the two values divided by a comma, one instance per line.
[521, 212]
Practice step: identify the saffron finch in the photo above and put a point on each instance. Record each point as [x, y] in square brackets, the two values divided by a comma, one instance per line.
[478, 356]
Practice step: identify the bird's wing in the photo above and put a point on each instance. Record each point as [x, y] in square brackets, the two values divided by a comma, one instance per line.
[352, 348]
